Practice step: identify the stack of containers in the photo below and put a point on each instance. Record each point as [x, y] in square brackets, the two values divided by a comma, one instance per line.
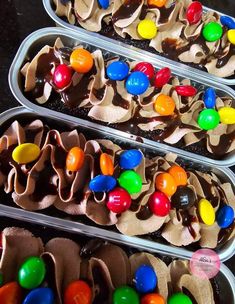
[71, 36]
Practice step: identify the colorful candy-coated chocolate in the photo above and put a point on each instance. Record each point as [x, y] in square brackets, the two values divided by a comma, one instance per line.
[156, 3]
[179, 175]
[208, 119]
[147, 29]
[62, 76]
[41, 295]
[131, 181]
[186, 90]
[145, 279]
[228, 22]
[25, 153]
[159, 204]
[179, 298]
[130, 159]
[209, 98]
[227, 115]
[165, 183]
[206, 212]
[194, 12]
[106, 164]
[146, 68]
[183, 198]
[102, 183]
[119, 200]
[81, 61]
[164, 105]
[152, 298]
[75, 159]
[117, 70]
[125, 295]
[162, 77]
[11, 293]
[231, 36]
[137, 83]
[104, 3]
[225, 216]
[78, 292]
[212, 31]
[32, 273]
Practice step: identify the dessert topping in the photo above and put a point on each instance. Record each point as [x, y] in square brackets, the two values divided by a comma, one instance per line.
[157, 3]
[104, 3]
[227, 115]
[194, 12]
[137, 83]
[153, 298]
[209, 98]
[78, 292]
[179, 175]
[117, 70]
[40, 295]
[102, 183]
[130, 159]
[145, 279]
[106, 164]
[179, 298]
[186, 90]
[225, 216]
[212, 31]
[164, 105]
[206, 212]
[231, 36]
[147, 29]
[159, 204]
[25, 153]
[208, 119]
[162, 77]
[11, 293]
[125, 295]
[81, 61]
[131, 181]
[166, 184]
[62, 76]
[146, 68]
[228, 22]
[75, 159]
[119, 200]
[184, 198]
[32, 273]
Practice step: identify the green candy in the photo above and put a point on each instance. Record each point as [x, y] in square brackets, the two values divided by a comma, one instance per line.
[208, 119]
[212, 31]
[125, 295]
[131, 181]
[179, 298]
[32, 273]
[1, 279]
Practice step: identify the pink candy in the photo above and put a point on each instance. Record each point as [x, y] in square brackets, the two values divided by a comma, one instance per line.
[146, 68]
[162, 77]
[194, 12]
[186, 90]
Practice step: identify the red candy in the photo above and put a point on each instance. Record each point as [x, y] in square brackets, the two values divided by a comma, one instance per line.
[159, 204]
[162, 77]
[119, 200]
[78, 292]
[194, 12]
[186, 90]
[11, 293]
[62, 76]
[146, 68]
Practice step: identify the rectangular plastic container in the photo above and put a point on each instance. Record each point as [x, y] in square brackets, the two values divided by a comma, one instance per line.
[48, 5]
[62, 221]
[225, 281]
[34, 42]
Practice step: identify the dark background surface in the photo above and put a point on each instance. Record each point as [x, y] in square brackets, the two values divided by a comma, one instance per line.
[19, 18]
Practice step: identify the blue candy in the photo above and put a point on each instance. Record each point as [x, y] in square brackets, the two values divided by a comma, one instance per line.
[137, 83]
[228, 22]
[130, 159]
[102, 183]
[104, 3]
[145, 279]
[209, 98]
[117, 70]
[225, 216]
[40, 296]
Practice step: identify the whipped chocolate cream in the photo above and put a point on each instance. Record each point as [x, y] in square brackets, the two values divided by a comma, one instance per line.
[108, 102]
[46, 182]
[176, 38]
[98, 269]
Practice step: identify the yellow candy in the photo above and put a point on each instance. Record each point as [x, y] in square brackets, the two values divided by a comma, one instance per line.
[227, 115]
[206, 212]
[231, 36]
[147, 29]
[25, 153]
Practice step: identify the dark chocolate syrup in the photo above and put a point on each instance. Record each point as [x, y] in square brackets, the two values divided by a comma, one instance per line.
[126, 10]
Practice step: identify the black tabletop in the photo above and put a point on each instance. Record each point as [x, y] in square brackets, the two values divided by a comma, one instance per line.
[19, 18]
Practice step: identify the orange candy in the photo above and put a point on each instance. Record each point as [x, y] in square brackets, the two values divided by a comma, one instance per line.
[81, 61]
[106, 164]
[153, 298]
[164, 105]
[179, 175]
[11, 293]
[75, 159]
[166, 184]
[157, 3]
[78, 292]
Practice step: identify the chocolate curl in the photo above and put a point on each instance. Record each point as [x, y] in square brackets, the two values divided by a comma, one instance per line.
[65, 10]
